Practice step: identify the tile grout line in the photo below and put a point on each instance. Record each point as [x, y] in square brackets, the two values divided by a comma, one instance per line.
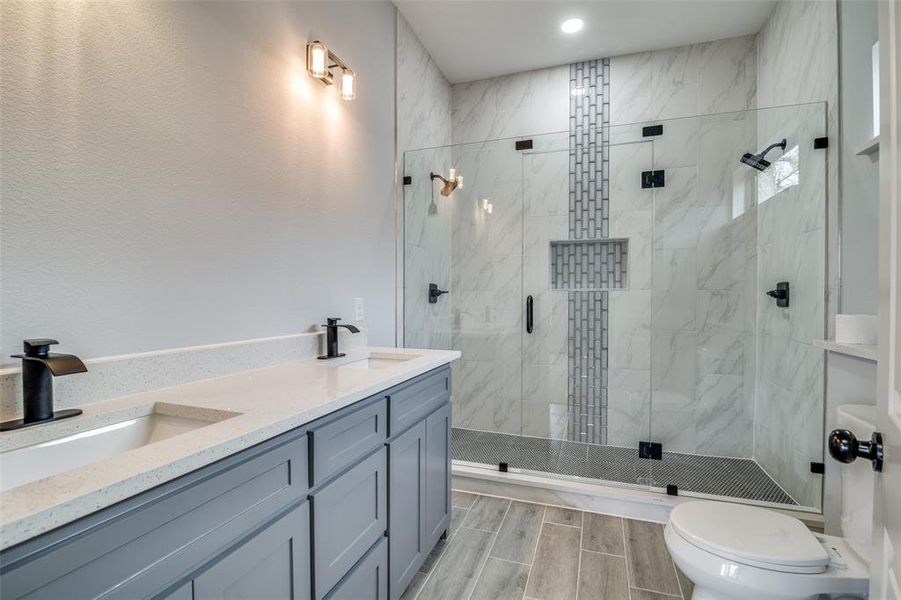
[579, 569]
[490, 548]
[626, 552]
[603, 553]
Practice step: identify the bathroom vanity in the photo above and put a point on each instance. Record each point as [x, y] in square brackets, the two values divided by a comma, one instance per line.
[348, 505]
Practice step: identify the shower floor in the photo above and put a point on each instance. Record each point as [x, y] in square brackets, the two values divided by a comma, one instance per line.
[733, 477]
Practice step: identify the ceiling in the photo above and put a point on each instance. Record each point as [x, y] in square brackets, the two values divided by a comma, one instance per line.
[476, 39]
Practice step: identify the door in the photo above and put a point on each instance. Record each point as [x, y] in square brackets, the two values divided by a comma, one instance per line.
[885, 581]
[274, 563]
[406, 503]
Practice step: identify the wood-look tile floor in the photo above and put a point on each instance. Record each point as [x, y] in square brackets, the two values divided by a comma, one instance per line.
[500, 549]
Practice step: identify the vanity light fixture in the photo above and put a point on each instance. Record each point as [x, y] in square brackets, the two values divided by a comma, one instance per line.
[572, 25]
[321, 61]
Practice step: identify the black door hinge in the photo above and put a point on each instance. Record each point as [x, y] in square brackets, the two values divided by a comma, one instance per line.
[818, 468]
[523, 144]
[651, 450]
[652, 130]
[502, 467]
[820, 143]
[408, 180]
[652, 179]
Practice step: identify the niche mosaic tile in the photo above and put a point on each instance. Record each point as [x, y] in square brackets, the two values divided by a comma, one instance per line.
[588, 265]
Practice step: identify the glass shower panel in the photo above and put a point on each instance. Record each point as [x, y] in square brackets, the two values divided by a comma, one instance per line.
[730, 417]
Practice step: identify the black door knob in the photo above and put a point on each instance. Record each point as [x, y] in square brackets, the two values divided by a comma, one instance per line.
[846, 448]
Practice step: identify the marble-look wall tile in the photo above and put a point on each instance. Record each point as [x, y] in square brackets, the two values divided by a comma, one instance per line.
[423, 121]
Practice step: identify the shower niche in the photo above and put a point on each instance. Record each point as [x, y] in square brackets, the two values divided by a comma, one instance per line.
[589, 265]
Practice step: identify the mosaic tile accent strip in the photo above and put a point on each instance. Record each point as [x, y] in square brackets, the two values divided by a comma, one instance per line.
[589, 208]
[587, 381]
[589, 264]
[739, 478]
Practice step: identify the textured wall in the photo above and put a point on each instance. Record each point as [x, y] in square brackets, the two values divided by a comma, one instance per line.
[172, 177]
[798, 62]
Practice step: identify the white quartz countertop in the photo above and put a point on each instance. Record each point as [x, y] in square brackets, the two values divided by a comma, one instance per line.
[267, 402]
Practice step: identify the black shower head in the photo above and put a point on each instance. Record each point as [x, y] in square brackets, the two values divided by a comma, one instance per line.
[757, 160]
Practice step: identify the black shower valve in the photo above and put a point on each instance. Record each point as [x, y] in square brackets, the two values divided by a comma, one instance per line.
[780, 294]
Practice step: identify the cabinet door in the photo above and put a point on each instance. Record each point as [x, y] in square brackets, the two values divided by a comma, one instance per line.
[438, 474]
[273, 564]
[406, 503]
[350, 514]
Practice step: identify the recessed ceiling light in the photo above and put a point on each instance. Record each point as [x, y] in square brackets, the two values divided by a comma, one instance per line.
[572, 25]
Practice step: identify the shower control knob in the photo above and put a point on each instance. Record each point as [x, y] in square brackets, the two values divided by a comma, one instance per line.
[846, 448]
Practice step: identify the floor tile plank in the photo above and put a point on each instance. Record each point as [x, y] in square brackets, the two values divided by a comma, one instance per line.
[603, 577]
[685, 583]
[563, 516]
[638, 594]
[486, 513]
[458, 515]
[650, 566]
[519, 533]
[555, 570]
[455, 574]
[462, 499]
[501, 580]
[603, 533]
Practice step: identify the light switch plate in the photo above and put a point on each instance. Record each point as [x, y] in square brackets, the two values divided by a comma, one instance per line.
[358, 309]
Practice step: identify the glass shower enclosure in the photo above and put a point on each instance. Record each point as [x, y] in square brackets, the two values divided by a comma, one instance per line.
[608, 290]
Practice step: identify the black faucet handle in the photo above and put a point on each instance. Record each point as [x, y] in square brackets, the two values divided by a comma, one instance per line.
[38, 346]
[331, 322]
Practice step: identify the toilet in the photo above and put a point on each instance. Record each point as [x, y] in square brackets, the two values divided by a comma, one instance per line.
[738, 552]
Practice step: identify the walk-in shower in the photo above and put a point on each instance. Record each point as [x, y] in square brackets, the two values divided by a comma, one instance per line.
[611, 307]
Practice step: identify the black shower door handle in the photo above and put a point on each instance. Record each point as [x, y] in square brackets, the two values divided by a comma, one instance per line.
[530, 303]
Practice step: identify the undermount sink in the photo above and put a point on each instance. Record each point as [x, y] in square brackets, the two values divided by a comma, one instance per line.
[51, 457]
[379, 360]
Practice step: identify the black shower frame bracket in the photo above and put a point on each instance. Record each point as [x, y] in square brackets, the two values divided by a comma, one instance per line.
[651, 130]
[653, 179]
[650, 450]
[820, 143]
[523, 145]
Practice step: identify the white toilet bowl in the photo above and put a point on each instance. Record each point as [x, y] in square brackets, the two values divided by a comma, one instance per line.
[737, 552]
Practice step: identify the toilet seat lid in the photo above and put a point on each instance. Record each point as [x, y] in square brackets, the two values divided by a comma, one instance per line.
[750, 535]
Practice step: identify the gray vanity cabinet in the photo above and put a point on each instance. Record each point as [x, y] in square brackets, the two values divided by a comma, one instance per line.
[347, 507]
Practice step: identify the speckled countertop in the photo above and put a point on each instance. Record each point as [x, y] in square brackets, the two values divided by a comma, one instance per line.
[247, 408]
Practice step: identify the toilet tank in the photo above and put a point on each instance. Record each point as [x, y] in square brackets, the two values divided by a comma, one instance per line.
[857, 482]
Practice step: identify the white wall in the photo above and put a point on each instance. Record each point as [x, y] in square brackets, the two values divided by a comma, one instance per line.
[172, 177]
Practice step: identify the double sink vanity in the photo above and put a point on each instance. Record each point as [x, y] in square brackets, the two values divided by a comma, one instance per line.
[309, 479]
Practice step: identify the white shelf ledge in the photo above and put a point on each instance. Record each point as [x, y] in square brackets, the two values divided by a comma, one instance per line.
[869, 147]
[863, 351]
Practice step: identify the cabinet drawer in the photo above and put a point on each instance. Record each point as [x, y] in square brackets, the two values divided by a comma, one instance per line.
[273, 563]
[341, 440]
[349, 516]
[368, 580]
[140, 546]
[412, 402]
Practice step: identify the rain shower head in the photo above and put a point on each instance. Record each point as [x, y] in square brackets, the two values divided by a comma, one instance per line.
[450, 184]
[757, 160]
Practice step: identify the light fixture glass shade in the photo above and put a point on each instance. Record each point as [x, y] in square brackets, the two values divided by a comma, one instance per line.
[317, 59]
[348, 85]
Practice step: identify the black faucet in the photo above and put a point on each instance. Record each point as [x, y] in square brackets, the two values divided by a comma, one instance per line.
[331, 337]
[39, 367]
